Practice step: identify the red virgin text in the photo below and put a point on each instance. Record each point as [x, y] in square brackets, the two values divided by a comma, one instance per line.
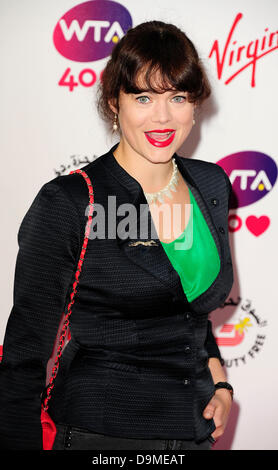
[244, 55]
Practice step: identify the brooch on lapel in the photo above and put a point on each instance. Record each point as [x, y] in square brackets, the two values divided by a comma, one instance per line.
[147, 243]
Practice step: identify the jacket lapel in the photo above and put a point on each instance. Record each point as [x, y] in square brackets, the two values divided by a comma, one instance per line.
[148, 253]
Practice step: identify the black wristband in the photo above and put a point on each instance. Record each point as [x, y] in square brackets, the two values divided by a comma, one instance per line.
[225, 385]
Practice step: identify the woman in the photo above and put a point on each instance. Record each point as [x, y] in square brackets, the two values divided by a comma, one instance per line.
[141, 367]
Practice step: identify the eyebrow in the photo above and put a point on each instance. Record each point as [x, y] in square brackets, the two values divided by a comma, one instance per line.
[148, 90]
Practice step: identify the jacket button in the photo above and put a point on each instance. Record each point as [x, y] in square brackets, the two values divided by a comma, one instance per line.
[187, 316]
[221, 229]
[186, 381]
[187, 349]
[214, 201]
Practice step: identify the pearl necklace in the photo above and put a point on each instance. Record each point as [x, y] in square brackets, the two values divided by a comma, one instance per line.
[153, 197]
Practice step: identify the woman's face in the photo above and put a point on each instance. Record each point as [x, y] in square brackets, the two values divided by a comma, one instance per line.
[142, 115]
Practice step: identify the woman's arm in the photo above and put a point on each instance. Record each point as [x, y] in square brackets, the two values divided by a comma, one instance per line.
[219, 406]
[49, 242]
[217, 370]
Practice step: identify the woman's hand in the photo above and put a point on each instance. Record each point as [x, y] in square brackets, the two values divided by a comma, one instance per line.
[219, 408]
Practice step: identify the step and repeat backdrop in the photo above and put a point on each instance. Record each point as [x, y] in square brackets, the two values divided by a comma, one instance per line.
[53, 54]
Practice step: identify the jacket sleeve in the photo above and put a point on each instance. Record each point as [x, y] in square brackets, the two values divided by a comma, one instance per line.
[49, 243]
[229, 189]
[211, 345]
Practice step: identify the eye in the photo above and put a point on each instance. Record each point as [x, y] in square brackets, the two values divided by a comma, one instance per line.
[183, 98]
[142, 98]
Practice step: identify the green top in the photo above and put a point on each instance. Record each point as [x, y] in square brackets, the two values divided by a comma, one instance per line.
[194, 254]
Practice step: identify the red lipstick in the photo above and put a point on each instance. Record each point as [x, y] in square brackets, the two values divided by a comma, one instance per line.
[160, 137]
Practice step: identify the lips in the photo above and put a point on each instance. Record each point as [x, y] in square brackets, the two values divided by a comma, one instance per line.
[160, 137]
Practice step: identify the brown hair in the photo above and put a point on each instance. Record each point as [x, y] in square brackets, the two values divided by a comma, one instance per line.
[150, 47]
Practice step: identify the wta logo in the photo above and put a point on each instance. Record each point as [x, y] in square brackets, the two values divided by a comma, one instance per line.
[89, 31]
[252, 174]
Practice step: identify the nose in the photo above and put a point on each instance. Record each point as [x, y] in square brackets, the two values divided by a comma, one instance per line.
[161, 112]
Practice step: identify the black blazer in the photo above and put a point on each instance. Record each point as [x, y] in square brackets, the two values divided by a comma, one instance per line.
[137, 362]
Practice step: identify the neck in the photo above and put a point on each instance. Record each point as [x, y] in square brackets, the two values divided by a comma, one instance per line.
[152, 176]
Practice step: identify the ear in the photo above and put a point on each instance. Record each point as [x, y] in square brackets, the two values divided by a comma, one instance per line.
[112, 107]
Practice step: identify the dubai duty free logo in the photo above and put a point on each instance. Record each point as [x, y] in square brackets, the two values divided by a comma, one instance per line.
[87, 33]
[242, 338]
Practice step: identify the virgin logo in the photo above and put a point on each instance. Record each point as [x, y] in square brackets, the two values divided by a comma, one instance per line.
[242, 56]
[88, 31]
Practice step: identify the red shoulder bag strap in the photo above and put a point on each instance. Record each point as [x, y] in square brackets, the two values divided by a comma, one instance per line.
[74, 288]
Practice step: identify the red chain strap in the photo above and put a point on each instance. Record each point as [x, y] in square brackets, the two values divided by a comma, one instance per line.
[77, 274]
